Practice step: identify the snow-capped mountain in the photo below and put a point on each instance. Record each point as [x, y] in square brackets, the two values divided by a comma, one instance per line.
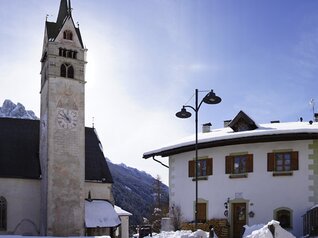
[9, 109]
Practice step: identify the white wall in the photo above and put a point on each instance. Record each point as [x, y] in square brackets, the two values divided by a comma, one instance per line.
[124, 227]
[23, 205]
[260, 188]
[99, 190]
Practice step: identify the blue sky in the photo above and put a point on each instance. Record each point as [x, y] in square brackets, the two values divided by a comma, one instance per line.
[146, 58]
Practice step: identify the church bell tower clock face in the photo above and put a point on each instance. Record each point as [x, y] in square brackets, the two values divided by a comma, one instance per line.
[67, 119]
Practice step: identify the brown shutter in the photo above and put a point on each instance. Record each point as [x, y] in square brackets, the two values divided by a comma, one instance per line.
[249, 164]
[270, 161]
[294, 160]
[191, 168]
[229, 163]
[209, 166]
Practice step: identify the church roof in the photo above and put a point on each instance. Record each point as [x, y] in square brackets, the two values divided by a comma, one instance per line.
[19, 151]
[19, 148]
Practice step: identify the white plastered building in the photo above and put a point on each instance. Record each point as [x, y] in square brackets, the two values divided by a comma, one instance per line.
[248, 173]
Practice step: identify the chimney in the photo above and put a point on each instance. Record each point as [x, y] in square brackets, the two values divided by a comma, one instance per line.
[206, 128]
[227, 122]
[316, 117]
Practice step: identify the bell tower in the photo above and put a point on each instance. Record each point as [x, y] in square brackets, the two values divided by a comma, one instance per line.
[62, 129]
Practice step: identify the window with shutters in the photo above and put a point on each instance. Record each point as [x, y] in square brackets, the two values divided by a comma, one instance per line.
[3, 214]
[239, 165]
[205, 167]
[282, 163]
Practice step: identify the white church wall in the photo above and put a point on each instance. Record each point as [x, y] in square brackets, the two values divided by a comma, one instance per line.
[262, 191]
[23, 205]
[99, 190]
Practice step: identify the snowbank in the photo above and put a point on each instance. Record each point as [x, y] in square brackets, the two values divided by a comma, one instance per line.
[183, 234]
[16, 236]
[263, 231]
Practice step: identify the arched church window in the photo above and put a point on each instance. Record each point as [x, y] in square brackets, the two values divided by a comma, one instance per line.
[3, 214]
[70, 72]
[68, 35]
[67, 71]
[63, 70]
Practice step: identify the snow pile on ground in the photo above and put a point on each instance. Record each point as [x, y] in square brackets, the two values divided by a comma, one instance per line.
[182, 234]
[18, 236]
[257, 231]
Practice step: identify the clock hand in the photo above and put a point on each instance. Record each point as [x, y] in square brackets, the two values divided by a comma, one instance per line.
[66, 117]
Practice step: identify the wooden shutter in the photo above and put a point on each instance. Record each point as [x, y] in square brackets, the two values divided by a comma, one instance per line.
[209, 166]
[270, 161]
[249, 163]
[229, 164]
[191, 168]
[294, 160]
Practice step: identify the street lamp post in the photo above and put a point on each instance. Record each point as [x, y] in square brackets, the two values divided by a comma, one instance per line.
[209, 98]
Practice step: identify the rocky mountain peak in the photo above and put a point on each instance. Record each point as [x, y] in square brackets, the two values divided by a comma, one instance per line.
[12, 110]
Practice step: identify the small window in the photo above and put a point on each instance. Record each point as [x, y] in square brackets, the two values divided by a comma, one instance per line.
[204, 167]
[70, 54]
[282, 161]
[284, 217]
[3, 214]
[239, 164]
[67, 71]
[68, 35]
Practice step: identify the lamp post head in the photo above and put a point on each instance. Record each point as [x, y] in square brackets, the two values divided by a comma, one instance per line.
[183, 113]
[211, 98]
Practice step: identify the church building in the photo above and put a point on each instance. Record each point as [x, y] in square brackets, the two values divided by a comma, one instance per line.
[54, 179]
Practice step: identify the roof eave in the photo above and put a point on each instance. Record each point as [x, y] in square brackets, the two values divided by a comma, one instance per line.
[233, 141]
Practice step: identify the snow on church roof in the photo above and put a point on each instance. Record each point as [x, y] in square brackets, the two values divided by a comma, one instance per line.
[100, 213]
[227, 136]
[122, 212]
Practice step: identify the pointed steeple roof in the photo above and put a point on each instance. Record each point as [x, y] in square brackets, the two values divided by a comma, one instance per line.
[54, 28]
[64, 12]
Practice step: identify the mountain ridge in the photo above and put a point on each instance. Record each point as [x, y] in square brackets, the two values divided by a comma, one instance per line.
[12, 110]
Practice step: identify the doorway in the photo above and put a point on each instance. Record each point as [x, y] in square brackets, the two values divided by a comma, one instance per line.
[238, 218]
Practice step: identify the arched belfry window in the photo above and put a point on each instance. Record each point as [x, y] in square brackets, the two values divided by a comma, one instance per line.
[3, 214]
[70, 72]
[68, 35]
[67, 71]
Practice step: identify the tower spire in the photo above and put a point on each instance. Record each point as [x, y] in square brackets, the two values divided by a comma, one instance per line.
[64, 11]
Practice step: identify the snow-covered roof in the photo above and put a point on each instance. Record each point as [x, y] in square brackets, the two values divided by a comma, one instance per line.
[226, 136]
[122, 212]
[100, 213]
